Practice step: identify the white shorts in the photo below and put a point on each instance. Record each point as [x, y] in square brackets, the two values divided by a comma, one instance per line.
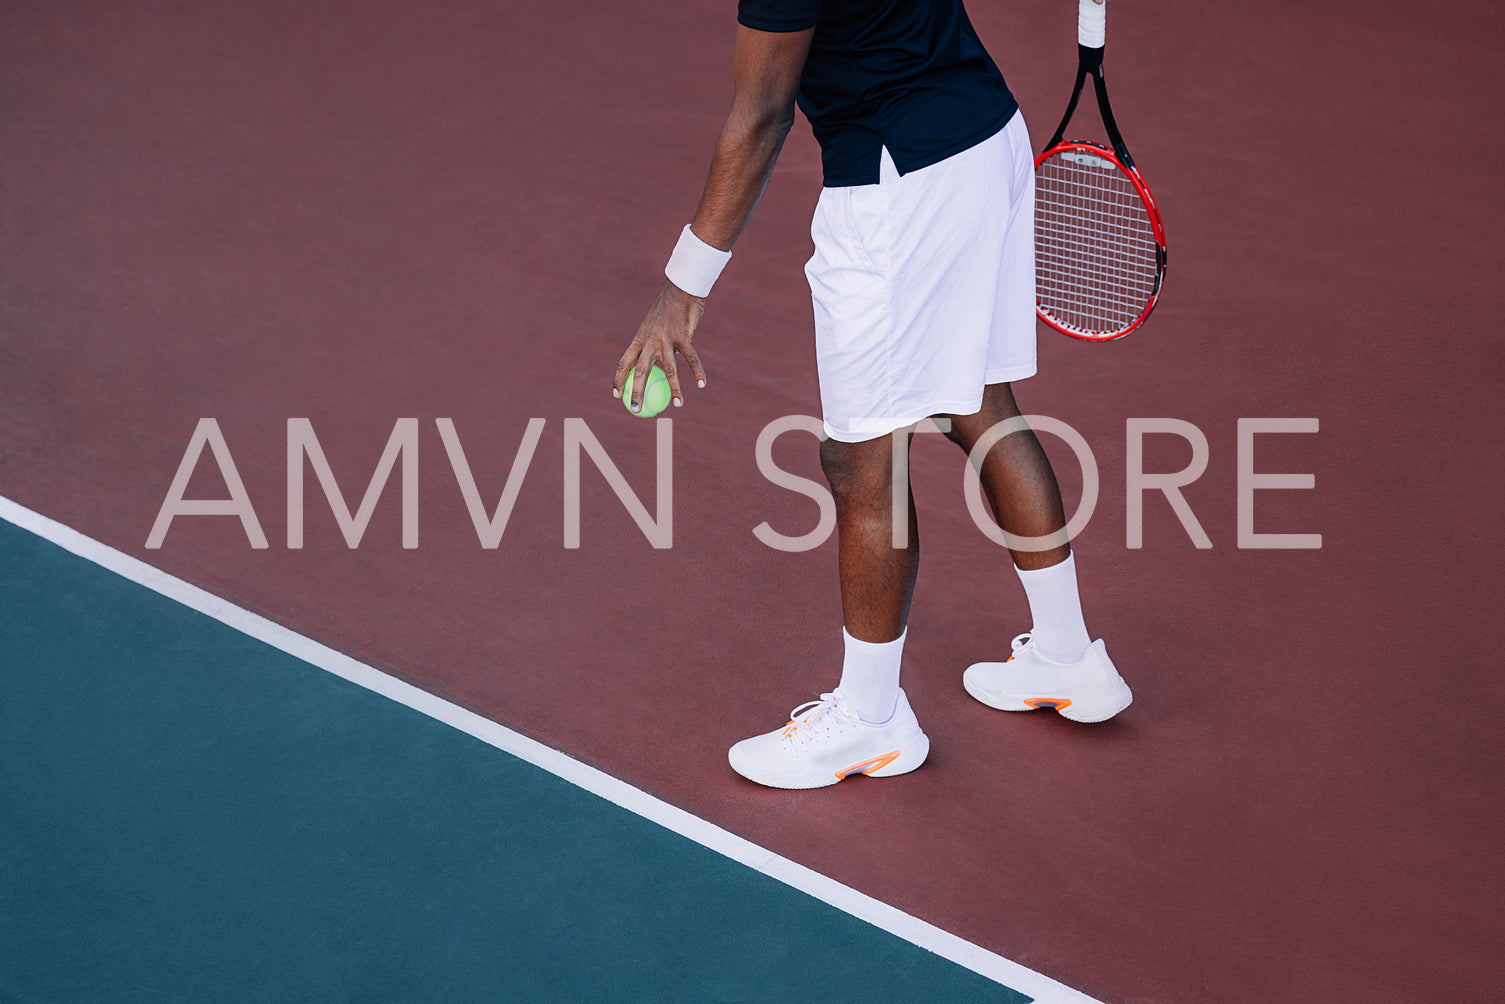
[924, 287]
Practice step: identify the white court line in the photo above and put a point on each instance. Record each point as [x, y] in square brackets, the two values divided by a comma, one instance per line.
[879, 914]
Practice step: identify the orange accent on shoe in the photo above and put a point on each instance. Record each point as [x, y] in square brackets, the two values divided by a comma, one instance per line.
[1057, 703]
[868, 766]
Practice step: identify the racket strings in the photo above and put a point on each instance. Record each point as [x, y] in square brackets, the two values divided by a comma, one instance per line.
[1096, 266]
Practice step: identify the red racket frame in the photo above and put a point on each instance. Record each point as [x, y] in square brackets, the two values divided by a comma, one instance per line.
[1098, 150]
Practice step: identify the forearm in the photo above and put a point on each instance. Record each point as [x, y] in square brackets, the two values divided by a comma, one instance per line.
[743, 160]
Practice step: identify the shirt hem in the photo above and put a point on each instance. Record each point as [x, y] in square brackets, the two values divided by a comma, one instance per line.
[924, 160]
[986, 132]
[773, 24]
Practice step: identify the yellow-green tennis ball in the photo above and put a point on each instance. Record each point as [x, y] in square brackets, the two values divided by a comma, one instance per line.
[655, 394]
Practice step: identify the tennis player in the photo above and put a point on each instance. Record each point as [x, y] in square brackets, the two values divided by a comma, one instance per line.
[924, 291]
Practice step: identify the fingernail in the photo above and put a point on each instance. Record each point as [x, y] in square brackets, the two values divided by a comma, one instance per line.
[678, 403]
[700, 383]
[615, 392]
[635, 406]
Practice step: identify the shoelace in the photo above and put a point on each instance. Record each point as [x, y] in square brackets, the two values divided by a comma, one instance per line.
[1020, 643]
[826, 714]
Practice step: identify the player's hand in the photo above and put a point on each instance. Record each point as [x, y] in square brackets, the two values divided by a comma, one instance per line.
[668, 328]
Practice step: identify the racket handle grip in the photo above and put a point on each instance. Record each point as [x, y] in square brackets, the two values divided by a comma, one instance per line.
[1091, 21]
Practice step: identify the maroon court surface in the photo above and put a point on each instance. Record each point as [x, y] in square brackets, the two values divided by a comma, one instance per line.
[356, 213]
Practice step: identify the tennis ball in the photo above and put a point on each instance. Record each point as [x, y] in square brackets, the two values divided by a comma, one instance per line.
[655, 394]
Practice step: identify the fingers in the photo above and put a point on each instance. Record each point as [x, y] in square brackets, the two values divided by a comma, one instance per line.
[698, 371]
[668, 329]
[671, 371]
[638, 364]
[634, 363]
[624, 366]
[686, 350]
[639, 381]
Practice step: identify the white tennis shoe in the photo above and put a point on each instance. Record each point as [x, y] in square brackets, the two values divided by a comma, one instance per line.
[1087, 691]
[825, 741]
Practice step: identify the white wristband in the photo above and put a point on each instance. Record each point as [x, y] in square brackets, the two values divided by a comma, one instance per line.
[1091, 23]
[695, 266]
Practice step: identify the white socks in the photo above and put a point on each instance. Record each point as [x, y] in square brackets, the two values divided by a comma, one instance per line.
[1058, 633]
[870, 676]
[870, 671]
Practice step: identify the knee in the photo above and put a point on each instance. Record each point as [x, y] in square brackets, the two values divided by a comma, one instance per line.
[837, 463]
[855, 471]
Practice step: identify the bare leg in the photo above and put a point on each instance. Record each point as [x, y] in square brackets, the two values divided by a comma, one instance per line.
[1016, 477]
[877, 579]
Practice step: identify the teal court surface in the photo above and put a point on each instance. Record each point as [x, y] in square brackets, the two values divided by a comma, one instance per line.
[189, 813]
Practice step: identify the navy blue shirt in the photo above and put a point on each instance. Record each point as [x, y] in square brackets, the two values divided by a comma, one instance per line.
[910, 75]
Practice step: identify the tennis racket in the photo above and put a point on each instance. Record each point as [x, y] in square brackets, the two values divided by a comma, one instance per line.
[1099, 245]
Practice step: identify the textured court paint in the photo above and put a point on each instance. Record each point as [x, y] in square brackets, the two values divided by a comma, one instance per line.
[188, 814]
[360, 212]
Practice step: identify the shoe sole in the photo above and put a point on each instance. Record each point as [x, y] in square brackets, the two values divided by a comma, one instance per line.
[905, 758]
[1095, 707]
